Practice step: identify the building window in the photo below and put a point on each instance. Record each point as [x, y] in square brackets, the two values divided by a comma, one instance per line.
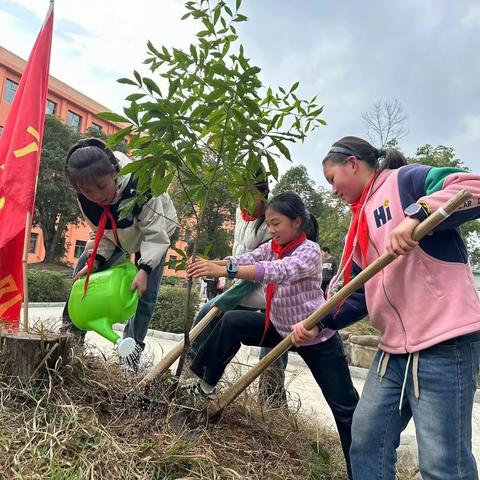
[172, 261]
[74, 120]
[51, 107]
[96, 126]
[32, 248]
[10, 89]
[79, 248]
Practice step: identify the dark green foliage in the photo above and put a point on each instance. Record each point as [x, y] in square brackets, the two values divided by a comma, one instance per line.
[297, 180]
[45, 286]
[169, 310]
[56, 205]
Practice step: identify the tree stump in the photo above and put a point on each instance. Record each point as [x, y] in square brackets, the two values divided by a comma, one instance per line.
[29, 355]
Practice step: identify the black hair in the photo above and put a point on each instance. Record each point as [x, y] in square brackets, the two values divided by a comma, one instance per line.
[326, 249]
[376, 158]
[292, 206]
[89, 159]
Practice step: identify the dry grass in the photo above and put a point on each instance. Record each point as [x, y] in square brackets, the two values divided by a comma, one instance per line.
[76, 424]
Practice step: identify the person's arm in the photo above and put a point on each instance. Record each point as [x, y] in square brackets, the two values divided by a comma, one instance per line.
[304, 262]
[200, 268]
[441, 184]
[437, 187]
[152, 222]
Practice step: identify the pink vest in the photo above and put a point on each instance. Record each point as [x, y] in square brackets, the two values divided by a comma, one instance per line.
[417, 301]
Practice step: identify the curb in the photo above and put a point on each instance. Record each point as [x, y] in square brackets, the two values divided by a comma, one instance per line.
[45, 304]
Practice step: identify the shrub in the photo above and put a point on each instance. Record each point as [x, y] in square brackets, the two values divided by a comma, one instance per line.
[46, 286]
[168, 313]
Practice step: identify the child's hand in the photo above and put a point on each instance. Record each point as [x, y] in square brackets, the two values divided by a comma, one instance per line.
[205, 268]
[80, 273]
[301, 335]
[139, 282]
[400, 240]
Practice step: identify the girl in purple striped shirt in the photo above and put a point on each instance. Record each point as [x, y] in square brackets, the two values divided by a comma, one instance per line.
[290, 268]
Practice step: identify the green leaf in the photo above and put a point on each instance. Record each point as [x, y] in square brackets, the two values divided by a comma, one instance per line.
[239, 116]
[216, 15]
[283, 149]
[138, 77]
[182, 253]
[151, 47]
[237, 4]
[240, 18]
[126, 207]
[131, 167]
[126, 81]
[120, 135]
[173, 87]
[151, 85]
[272, 165]
[193, 52]
[113, 117]
[251, 106]
[135, 96]
[294, 87]
[160, 182]
[188, 103]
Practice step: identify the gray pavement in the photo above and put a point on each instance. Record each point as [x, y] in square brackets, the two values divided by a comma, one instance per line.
[302, 388]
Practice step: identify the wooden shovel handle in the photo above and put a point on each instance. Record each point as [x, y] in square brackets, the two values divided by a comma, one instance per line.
[420, 231]
[168, 360]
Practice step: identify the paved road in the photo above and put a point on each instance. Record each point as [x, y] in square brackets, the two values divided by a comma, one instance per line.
[301, 384]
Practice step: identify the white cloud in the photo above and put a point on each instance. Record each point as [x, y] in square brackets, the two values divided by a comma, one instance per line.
[115, 43]
[472, 17]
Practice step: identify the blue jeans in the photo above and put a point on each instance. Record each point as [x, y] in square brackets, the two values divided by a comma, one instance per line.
[280, 363]
[137, 326]
[447, 375]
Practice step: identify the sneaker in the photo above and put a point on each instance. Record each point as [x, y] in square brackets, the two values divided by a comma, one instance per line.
[196, 390]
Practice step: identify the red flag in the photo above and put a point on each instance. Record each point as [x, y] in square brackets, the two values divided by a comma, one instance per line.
[20, 147]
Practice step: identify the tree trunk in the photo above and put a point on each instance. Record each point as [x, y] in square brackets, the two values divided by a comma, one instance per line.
[52, 250]
[29, 355]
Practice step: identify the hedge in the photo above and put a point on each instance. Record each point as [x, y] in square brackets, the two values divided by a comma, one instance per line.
[168, 313]
[46, 286]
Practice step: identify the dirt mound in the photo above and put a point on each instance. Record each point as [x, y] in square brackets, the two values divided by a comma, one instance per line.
[78, 423]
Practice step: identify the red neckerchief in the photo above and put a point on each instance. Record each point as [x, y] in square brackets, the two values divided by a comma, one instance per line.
[359, 223]
[106, 215]
[246, 216]
[279, 252]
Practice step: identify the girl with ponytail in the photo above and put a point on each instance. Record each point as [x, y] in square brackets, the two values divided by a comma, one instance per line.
[424, 304]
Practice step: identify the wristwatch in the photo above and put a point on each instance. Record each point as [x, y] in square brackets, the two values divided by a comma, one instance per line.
[232, 270]
[417, 211]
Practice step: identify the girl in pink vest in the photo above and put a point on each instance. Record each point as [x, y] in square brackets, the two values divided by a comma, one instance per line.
[424, 304]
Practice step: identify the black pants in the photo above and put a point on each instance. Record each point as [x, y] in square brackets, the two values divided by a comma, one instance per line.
[325, 360]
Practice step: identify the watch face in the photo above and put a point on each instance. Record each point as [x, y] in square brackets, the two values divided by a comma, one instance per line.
[413, 209]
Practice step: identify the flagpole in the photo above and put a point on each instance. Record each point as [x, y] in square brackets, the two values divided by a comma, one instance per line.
[26, 243]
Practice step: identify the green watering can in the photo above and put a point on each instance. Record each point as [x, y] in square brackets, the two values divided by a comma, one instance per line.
[108, 301]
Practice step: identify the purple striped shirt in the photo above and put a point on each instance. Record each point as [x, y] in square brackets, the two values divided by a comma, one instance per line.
[298, 276]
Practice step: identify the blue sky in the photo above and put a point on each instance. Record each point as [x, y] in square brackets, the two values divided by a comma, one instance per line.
[350, 54]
